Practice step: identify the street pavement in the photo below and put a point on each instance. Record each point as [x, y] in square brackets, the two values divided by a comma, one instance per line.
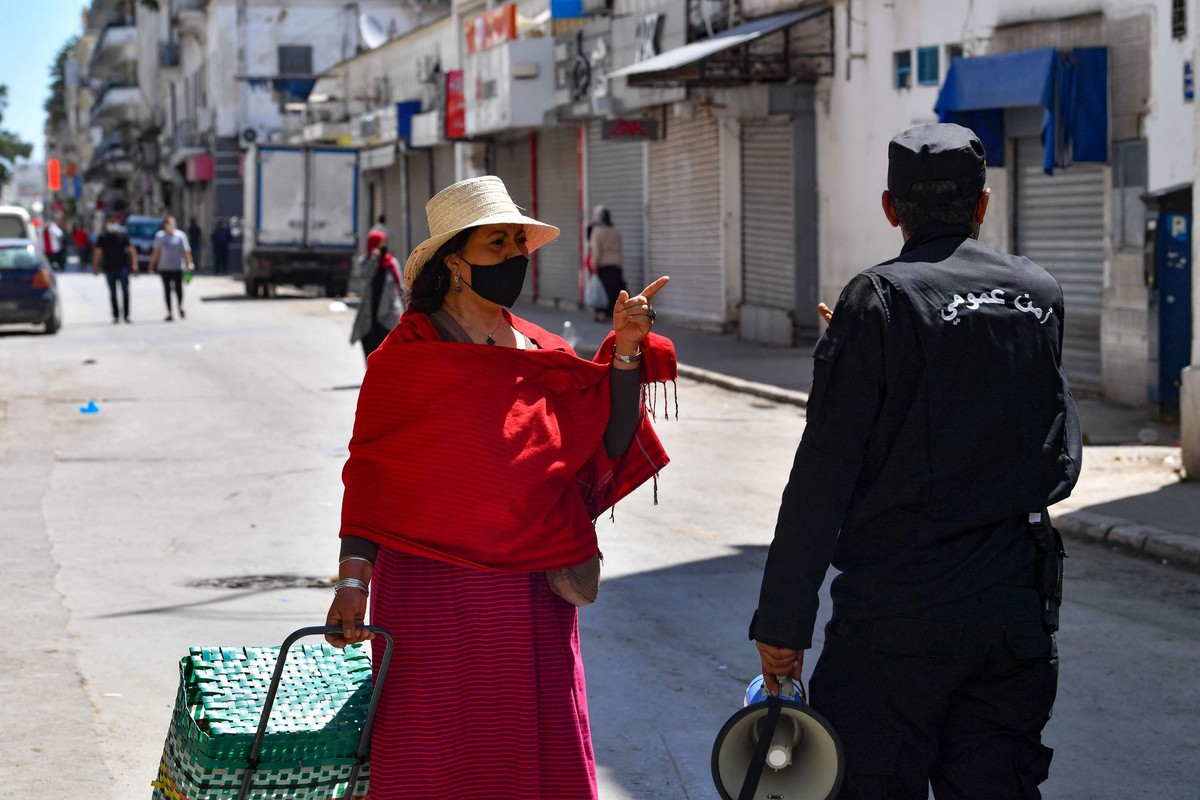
[199, 506]
[1131, 495]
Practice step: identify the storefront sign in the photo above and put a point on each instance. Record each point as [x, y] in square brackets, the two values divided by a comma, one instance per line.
[456, 105]
[491, 28]
[643, 130]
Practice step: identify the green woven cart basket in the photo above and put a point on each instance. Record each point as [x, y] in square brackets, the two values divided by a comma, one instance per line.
[310, 746]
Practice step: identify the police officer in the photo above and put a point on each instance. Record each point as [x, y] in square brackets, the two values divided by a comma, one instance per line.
[940, 427]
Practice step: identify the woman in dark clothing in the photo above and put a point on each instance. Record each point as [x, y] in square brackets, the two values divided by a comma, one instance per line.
[604, 244]
[380, 307]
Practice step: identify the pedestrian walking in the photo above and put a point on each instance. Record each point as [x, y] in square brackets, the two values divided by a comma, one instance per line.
[56, 249]
[379, 306]
[116, 255]
[221, 237]
[940, 427]
[172, 254]
[196, 243]
[483, 448]
[604, 246]
[82, 243]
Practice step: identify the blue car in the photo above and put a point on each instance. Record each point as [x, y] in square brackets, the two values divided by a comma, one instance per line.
[28, 287]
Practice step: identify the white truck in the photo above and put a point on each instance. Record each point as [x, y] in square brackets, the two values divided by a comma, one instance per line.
[301, 217]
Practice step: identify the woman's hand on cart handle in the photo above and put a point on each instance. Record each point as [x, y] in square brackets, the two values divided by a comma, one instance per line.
[349, 612]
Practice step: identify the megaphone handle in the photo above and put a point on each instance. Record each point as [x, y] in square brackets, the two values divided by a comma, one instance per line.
[759, 760]
[788, 686]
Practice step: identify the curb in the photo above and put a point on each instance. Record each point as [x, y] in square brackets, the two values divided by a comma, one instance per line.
[1145, 539]
[764, 390]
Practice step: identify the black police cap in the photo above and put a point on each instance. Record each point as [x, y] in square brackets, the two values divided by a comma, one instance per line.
[938, 152]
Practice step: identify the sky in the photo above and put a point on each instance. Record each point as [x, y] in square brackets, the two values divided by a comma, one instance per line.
[31, 34]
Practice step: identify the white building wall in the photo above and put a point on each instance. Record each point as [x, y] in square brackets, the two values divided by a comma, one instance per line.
[1168, 126]
[858, 111]
[329, 28]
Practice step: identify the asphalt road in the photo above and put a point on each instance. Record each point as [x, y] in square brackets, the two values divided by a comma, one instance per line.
[215, 454]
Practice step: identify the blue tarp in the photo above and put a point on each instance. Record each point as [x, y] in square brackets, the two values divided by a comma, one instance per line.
[1071, 88]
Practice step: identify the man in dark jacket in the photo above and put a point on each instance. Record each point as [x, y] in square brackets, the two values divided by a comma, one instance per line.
[939, 429]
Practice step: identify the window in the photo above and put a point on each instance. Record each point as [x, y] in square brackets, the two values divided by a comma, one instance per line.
[928, 73]
[295, 60]
[902, 63]
[953, 51]
[1179, 19]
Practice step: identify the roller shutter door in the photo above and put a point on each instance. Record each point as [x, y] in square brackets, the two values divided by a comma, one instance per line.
[418, 195]
[616, 179]
[685, 220]
[558, 204]
[768, 213]
[510, 163]
[1060, 225]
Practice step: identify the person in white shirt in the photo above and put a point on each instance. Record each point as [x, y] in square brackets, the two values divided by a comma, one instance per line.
[171, 254]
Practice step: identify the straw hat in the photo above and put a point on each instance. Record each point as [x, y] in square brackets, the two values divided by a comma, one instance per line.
[468, 204]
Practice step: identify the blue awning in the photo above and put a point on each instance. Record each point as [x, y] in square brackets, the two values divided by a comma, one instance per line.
[1071, 87]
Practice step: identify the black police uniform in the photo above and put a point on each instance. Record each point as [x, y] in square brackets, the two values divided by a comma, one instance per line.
[940, 417]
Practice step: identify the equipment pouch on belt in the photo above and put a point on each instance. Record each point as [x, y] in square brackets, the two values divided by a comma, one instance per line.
[1050, 555]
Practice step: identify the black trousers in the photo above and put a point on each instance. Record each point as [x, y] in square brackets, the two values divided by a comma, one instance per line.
[955, 698]
[220, 260]
[120, 279]
[373, 338]
[613, 279]
[172, 280]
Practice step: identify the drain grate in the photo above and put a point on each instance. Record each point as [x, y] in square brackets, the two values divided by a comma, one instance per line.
[263, 582]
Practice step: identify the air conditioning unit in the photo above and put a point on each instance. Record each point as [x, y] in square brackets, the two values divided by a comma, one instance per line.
[250, 135]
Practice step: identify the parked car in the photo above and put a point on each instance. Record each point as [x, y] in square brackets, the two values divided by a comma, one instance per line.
[15, 223]
[28, 287]
[141, 232]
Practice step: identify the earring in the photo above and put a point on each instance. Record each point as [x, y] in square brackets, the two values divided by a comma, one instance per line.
[457, 283]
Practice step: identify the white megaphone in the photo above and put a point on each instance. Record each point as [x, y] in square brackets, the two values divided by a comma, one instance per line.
[777, 748]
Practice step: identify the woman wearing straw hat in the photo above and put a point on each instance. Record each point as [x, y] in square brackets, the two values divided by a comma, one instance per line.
[483, 450]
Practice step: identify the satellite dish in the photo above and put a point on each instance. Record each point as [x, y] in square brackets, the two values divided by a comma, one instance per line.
[372, 31]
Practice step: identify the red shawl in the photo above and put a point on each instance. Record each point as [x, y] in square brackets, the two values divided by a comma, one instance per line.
[491, 457]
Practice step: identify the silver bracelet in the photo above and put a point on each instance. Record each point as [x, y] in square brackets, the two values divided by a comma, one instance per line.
[633, 359]
[355, 558]
[351, 583]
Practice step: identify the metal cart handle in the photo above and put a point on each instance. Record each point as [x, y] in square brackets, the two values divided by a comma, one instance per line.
[364, 741]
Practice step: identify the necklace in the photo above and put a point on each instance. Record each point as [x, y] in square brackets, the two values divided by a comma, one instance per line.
[490, 339]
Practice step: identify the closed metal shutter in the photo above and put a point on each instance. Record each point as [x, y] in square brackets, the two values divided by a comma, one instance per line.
[511, 164]
[418, 196]
[1060, 226]
[685, 220]
[558, 204]
[393, 207]
[768, 213]
[616, 179]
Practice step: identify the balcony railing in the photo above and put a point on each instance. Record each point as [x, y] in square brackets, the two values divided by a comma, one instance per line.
[117, 45]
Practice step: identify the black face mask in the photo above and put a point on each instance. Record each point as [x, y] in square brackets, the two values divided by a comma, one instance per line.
[500, 283]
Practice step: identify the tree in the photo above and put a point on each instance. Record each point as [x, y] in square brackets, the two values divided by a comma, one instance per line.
[11, 146]
[56, 103]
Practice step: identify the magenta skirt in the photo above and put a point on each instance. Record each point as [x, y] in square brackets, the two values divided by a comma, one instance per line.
[485, 698]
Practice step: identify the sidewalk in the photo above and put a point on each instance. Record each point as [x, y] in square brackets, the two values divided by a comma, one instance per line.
[1129, 496]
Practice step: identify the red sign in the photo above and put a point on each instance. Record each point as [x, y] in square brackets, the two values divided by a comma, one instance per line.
[456, 105]
[491, 28]
[54, 175]
[638, 129]
[200, 168]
